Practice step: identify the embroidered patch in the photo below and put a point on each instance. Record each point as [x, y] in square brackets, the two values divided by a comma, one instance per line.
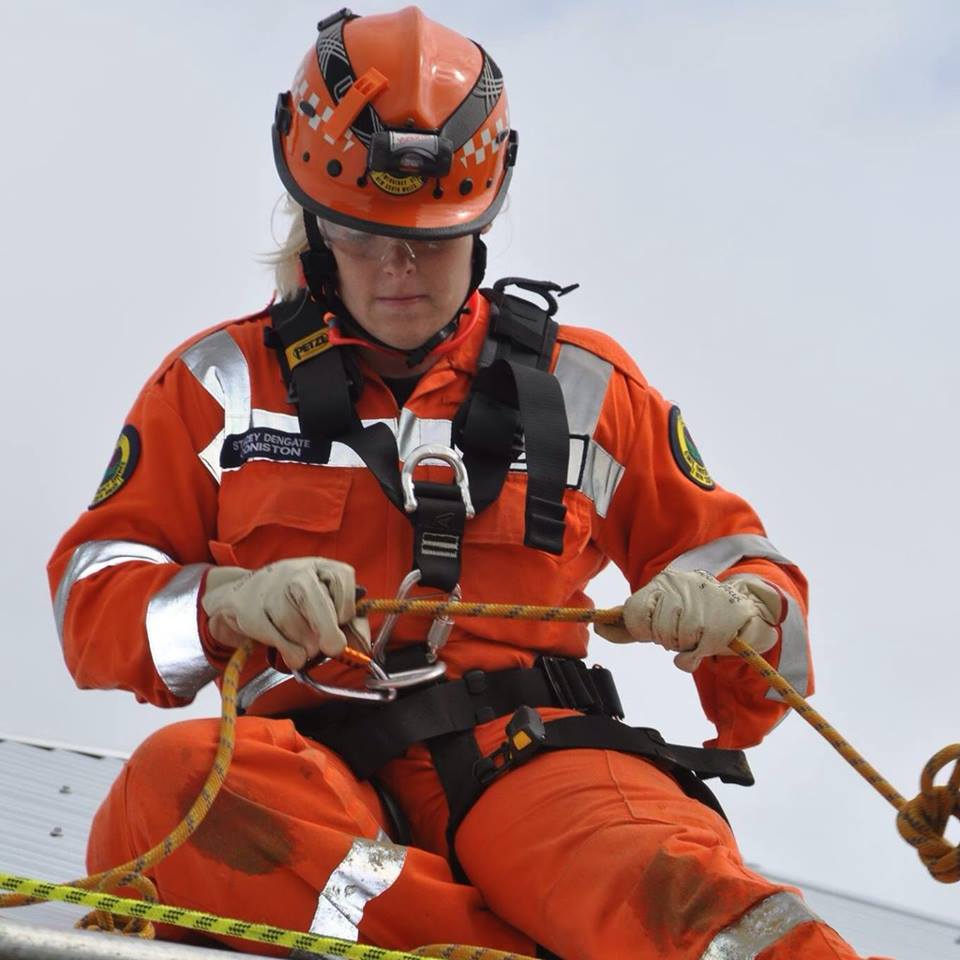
[121, 466]
[266, 444]
[685, 452]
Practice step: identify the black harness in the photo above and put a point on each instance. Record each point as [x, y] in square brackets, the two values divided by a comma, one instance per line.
[514, 406]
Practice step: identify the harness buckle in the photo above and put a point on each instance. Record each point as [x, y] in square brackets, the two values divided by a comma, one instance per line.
[526, 737]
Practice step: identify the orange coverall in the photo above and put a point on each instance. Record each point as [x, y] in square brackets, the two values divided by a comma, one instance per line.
[601, 855]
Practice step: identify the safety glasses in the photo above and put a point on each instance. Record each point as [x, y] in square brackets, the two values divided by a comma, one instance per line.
[375, 246]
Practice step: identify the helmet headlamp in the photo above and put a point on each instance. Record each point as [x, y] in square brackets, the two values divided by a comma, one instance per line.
[406, 153]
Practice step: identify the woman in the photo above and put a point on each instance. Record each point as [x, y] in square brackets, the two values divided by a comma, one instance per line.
[257, 483]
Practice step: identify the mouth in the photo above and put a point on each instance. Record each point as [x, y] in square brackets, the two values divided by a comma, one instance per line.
[402, 298]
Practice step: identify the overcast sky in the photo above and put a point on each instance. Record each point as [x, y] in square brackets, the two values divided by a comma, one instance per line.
[760, 201]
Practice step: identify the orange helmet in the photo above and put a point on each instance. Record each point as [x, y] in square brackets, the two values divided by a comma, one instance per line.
[396, 125]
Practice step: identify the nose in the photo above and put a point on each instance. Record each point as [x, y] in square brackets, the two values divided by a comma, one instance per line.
[399, 258]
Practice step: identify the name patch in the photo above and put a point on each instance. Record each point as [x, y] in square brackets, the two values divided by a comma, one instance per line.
[262, 443]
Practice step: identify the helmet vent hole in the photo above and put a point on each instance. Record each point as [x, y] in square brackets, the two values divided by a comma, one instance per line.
[361, 181]
[466, 185]
[305, 156]
[307, 107]
[334, 168]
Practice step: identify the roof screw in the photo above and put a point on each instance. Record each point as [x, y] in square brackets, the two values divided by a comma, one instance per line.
[56, 832]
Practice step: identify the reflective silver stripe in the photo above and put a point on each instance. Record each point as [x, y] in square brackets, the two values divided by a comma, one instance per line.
[414, 431]
[92, 557]
[793, 645]
[220, 366]
[174, 634]
[723, 553]
[210, 456]
[260, 684]
[760, 927]
[369, 868]
[584, 378]
[601, 476]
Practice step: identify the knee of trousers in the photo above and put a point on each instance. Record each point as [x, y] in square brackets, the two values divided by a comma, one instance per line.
[148, 789]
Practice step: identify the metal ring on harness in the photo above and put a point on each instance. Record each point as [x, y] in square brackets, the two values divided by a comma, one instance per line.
[435, 451]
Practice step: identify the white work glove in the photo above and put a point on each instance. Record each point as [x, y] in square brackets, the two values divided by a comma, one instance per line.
[296, 606]
[697, 615]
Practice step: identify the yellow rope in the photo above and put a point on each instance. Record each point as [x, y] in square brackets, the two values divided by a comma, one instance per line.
[921, 822]
[37, 890]
[506, 611]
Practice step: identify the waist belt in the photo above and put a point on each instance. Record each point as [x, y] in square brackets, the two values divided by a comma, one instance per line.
[369, 736]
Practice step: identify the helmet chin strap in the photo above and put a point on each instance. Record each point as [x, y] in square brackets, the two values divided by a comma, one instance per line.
[320, 272]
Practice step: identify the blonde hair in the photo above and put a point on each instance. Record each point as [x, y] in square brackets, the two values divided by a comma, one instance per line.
[285, 260]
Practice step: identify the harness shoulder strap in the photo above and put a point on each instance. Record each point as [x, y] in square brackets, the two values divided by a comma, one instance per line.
[323, 382]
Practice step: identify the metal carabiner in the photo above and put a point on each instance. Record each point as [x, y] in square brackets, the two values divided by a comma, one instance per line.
[435, 451]
[386, 628]
[440, 629]
[380, 694]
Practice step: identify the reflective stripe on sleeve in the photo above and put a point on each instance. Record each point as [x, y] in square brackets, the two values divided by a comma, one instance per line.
[793, 643]
[760, 927]
[723, 553]
[369, 868]
[174, 634]
[221, 368]
[92, 557]
[718, 555]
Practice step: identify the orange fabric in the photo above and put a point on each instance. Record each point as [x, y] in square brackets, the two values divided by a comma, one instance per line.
[516, 843]
[285, 819]
[591, 853]
[267, 511]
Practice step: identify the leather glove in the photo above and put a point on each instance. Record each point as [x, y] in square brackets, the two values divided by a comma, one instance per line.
[697, 615]
[296, 606]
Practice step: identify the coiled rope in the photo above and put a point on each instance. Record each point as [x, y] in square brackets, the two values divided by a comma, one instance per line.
[921, 821]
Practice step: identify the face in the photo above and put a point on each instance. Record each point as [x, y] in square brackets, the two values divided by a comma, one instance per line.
[400, 291]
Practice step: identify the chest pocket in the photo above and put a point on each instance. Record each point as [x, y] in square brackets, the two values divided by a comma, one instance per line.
[271, 511]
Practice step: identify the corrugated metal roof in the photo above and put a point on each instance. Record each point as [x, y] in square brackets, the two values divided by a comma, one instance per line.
[49, 793]
[48, 796]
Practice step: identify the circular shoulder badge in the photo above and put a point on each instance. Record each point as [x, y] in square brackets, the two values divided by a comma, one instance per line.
[685, 452]
[121, 466]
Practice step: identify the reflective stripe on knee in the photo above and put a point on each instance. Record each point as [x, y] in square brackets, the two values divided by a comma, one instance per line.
[760, 927]
[369, 868]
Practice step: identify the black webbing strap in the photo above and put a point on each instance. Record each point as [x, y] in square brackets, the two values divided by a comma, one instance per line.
[605, 733]
[326, 382]
[506, 396]
[465, 774]
[438, 534]
[368, 737]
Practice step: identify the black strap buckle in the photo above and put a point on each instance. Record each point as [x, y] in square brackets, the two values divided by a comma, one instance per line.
[526, 736]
